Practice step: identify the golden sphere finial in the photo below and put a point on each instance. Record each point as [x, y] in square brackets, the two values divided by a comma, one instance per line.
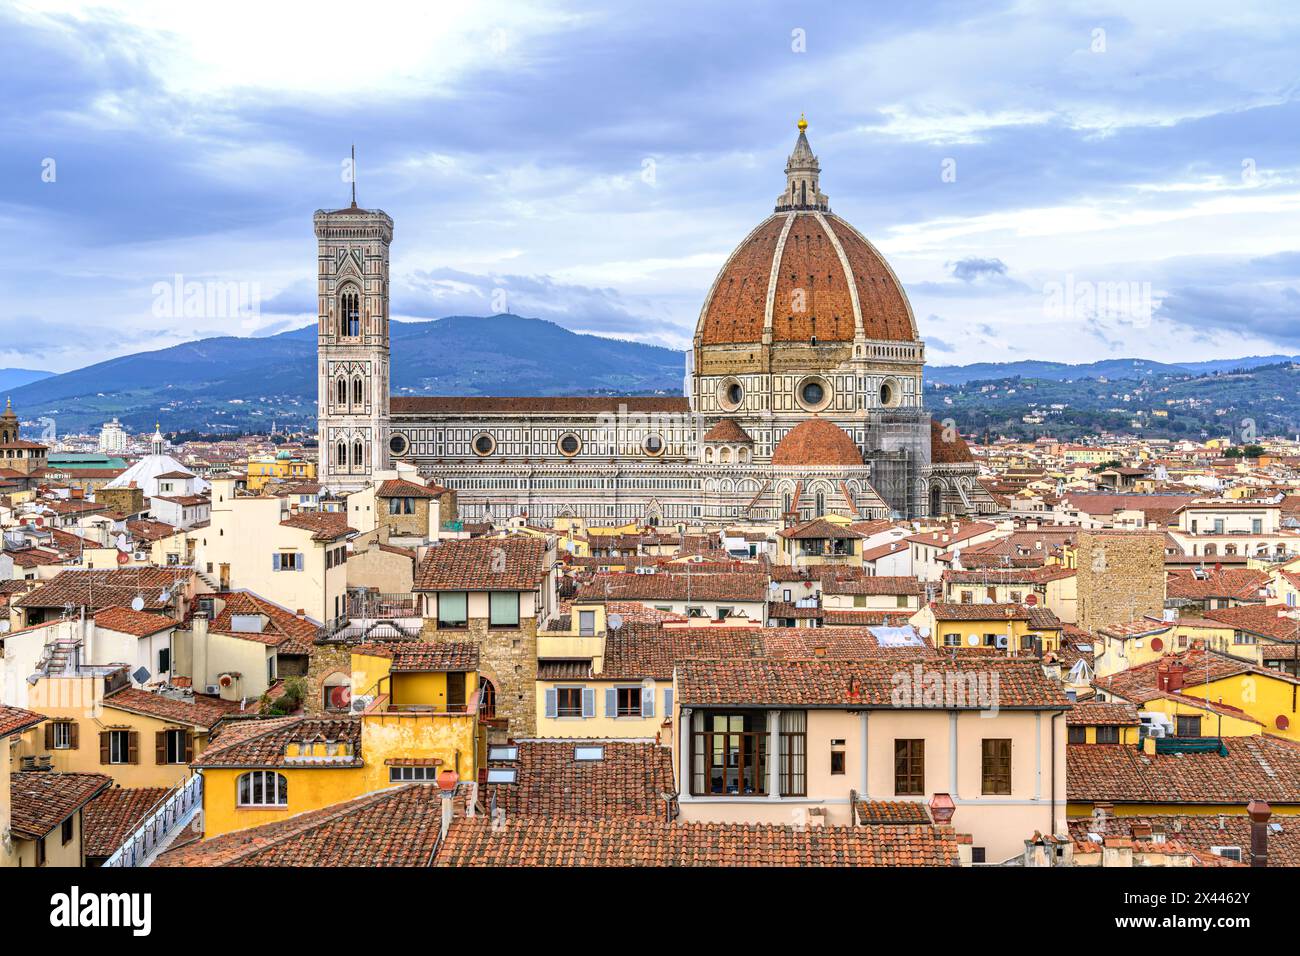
[803, 123]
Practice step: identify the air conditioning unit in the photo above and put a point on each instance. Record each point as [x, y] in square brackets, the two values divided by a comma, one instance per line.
[1001, 642]
[212, 689]
[1155, 730]
[359, 704]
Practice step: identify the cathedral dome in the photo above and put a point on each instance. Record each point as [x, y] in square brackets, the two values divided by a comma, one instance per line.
[804, 275]
[817, 442]
[947, 449]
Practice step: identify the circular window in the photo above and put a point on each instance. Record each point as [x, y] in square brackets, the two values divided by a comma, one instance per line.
[569, 445]
[398, 444]
[730, 394]
[888, 394]
[813, 394]
[484, 444]
[653, 445]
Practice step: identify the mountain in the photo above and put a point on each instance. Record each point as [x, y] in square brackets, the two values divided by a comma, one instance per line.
[11, 378]
[231, 384]
[1126, 368]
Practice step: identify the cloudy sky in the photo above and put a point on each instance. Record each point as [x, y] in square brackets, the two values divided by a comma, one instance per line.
[1049, 180]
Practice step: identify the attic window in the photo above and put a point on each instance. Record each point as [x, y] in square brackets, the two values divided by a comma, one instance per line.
[503, 753]
[502, 775]
[588, 753]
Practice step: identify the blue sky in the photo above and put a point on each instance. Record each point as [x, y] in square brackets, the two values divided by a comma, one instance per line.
[596, 163]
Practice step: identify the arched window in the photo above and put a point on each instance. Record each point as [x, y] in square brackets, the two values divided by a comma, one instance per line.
[263, 788]
[336, 693]
[341, 455]
[349, 312]
[488, 709]
[357, 392]
[358, 455]
[342, 391]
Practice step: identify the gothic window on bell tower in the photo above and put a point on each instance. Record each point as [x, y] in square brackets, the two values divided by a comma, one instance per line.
[342, 392]
[358, 456]
[341, 455]
[358, 392]
[349, 312]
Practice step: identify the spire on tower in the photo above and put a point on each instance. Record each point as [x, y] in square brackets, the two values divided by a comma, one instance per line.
[802, 172]
[353, 171]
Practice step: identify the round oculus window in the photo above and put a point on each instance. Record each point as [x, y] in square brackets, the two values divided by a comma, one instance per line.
[812, 393]
[653, 445]
[569, 445]
[398, 444]
[484, 444]
[886, 394]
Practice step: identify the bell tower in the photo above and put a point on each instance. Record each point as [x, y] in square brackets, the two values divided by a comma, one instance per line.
[352, 343]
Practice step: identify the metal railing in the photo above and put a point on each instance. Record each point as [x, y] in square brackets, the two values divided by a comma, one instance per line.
[173, 812]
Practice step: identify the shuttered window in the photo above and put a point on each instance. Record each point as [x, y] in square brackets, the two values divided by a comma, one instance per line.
[996, 765]
[909, 768]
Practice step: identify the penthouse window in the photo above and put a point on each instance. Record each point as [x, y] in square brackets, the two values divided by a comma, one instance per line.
[729, 753]
[263, 788]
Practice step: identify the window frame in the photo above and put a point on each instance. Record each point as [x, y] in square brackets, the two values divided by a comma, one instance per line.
[568, 713]
[909, 766]
[280, 789]
[493, 596]
[627, 692]
[995, 766]
[452, 626]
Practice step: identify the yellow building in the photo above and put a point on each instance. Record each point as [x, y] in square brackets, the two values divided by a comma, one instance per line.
[1009, 628]
[98, 723]
[416, 709]
[282, 466]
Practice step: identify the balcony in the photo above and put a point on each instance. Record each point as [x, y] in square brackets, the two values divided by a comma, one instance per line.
[374, 616]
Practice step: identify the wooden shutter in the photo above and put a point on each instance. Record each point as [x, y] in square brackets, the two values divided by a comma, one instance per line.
[189, 746]
[668, 702]
[132, 747]
[647, 702]
[588, 702]
[611, 702]
[103, 746]
[275, 562]
[552, 703]
[49, 736]
[74, 735]
[160, 747]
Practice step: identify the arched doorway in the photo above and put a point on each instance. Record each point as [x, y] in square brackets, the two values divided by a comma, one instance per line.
[936, 499]
[488, 707]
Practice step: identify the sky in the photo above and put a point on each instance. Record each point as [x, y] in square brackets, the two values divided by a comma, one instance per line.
[1052, 180]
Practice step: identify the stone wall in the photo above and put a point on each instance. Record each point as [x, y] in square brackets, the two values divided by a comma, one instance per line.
[508, 658]
[325, 660]
[1121, 576]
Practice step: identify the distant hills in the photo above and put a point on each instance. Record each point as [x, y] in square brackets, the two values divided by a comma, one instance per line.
[245, 384]
[235, 384]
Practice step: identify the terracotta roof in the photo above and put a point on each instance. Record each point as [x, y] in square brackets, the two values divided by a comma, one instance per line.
[483, 564]
[393, 827]
[514, 405]
[947, 451]
[138, 623]
[1238, 583]
[14, 720]
[1202, 831]
[42, 799]
[324, 525]
[865, 618]
[1261, 767]
[399, 488]
[113, 816]
[261, 742]
[106, 588]
[287, 632]
[564, 669]
[736, 309]
[415, 657]
[880, 585]
[864, 684]
[629, 780]
[1104, 713]
[817, 443]
[149, 530]
[892, 813]
[534, 841]
[728, 430]
[819, 528]
[200, 710]
[672, 586]
[980, 612]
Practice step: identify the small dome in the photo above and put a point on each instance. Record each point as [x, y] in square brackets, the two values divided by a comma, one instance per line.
[817, 442]
[728, 430]
[945, 452]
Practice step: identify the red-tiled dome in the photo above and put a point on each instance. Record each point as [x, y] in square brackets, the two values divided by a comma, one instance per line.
[947, 451]
[810, 243]
[728, 430]
[817, 442]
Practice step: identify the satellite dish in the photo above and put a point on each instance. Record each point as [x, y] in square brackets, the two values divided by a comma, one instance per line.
[140, 675]
[121, 543]
[137, 603]
[973, 640]
[615, 621]
[925, 632]
[165, 596]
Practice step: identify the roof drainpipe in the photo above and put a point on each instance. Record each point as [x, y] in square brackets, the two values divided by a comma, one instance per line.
[1051, 823]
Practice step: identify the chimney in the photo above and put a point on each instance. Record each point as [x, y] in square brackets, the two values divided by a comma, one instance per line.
[1259, 812]
[447, 781]
[198, 650]
[942, 808]
[1101, 814]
